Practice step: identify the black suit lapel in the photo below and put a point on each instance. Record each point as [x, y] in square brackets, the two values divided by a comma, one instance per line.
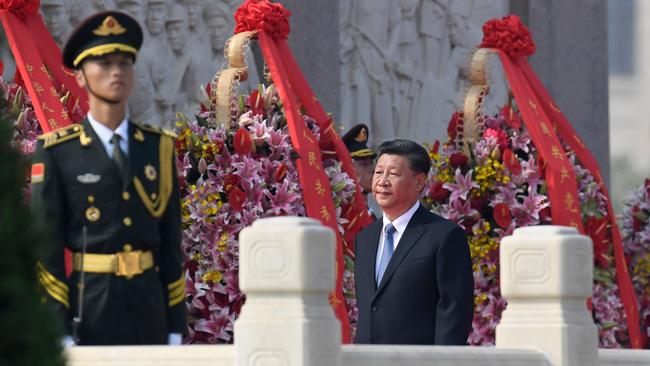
[374, 234]
[413, 232]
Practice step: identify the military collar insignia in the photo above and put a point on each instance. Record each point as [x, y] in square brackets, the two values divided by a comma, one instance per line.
[150, 172]
[138, 135]
[84, 139]
[88, 178]
[110, 26]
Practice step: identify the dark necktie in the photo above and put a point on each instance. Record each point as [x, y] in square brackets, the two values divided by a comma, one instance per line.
[386, 252]
[118, 156]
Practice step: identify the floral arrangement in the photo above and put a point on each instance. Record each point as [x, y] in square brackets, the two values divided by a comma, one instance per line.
[229, 178]
[20, 107]
[26, 127]
[496, 185]
[636, 242]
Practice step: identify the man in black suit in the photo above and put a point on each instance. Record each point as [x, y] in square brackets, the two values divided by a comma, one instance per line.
[413, 271]
[108, 190]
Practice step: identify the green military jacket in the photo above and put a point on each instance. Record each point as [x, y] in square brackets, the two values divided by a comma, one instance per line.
[75, 184]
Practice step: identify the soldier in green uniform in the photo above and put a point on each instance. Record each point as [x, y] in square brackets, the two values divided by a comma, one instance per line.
[108, 188]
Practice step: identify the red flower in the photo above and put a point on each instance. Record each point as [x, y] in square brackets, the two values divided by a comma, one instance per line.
[511, 117]
[2, 68]
[437, 192]
[511, 162]
[597, 231]
[243, 142]
[638, 218]
[18, 78]
[544, 214]
[263, 15]
[502, 215]
[458, 160]
[236, 198]
[230, 181]
[508, 34]
[256, 103]
[455, 123]
[478, 203]
[208, 92]
[280, 172]
[20, 7]
[647, 187]
[500, 135]
[436, 147]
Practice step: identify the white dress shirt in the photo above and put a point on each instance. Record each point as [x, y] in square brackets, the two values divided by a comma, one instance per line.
[105, 134]
[400, 225]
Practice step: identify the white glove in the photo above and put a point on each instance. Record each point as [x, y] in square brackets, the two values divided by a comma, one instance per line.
[174, 339]
[67, 341]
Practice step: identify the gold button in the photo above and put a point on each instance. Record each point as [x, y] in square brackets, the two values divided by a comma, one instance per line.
[126, 196]
[153, 196]
[127, 247]
[127, 221]
[91, 199]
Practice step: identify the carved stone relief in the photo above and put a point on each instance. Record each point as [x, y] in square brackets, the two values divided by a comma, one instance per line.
[182, 49]
[404, 63]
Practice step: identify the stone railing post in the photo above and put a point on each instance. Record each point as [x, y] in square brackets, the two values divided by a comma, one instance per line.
[287, 271]
[547, 276]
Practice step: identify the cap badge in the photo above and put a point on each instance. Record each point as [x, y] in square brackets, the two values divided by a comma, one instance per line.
[110, 26]
[362, 136]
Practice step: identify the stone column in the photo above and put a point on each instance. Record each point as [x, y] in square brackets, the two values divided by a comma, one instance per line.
[287, 270]
[571, 61]
[547, 276]
[314, 41]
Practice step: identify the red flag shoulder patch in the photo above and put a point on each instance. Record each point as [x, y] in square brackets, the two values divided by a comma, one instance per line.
[38, 173]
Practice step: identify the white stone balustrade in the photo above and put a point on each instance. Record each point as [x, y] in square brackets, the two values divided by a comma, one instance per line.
[547, 276]
[287, 271]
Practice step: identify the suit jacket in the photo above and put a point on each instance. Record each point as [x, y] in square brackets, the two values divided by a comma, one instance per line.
[426, 293]
[75, 184]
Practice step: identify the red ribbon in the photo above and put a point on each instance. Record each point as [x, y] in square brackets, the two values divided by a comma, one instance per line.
[39, 64]
[357, 212]
[569, 135]
[271, 22]
[510, 38]
[313, 179]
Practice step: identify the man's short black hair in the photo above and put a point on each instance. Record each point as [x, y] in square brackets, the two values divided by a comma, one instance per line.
[416, 155]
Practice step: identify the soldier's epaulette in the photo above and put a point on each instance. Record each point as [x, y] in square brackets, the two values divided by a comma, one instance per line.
[60, 135]
[154, 129]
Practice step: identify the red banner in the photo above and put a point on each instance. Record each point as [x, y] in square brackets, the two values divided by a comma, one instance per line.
[568, 134]
[313, 179]
[39, 64]
[356, 213]
[544, 122]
